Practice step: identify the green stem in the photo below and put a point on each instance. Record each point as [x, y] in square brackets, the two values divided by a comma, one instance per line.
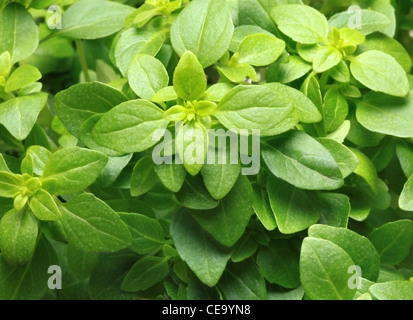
[82, 58]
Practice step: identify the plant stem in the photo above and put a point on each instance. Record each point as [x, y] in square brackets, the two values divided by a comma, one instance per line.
[82, 58]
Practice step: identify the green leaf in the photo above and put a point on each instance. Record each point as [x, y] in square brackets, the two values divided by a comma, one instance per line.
[44, 207]
[294, 209]
[147, 75]
[165, 94]
[39, 155]
[129, 127]
[286, 72]
[243, 281]
[346, 160]
[145, 273]
[384, 114]
[80, 262]
[106, 279]
[147, 233]
[371, 21]
[30, 282]
[192, 143]
[22, 77]
[302, 23]
[10, 184]
[340, 72]
[19, 114]
[189, 77]
[91, 225]
[228, 221]
[74, 168]
[221, 176]
[243, 31]
[359, 248]
[392, 241]
[262, 208]
[279, 264]
[18, 32]
[254, 107]
[390, 46]
[244, 248]
[326, 58]
[393, 290]
[209, 35]
[82, 101]
[335, 110]
[335, 209]
[172, 175]
[304, 107]
[143, 177]
[302, 161]
[204, 256]
[132, 42]
[260, 49]
[194, 195]
[366, 170]
[380, 72]
[324, 270]
[18, 235]
[93, 19]
[405, 154]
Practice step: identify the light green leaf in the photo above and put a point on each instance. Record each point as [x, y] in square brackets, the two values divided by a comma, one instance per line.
[82, 101]
[393, 290]
[93, 19]
[286, 72]
[19, 114]
[129, 127]
[18, 235]
[260, 49]
[147, 75]
[335, 110]
[74, 168]
[19, 34]
[189, 78]
[22, 77]
[262, 208]
[324, 270]
[346, 160]
[132, 42]
[302, 23]
[44, 207]
[209, 35]
[380, 72]
[359, 248]
[254, 107]
[10, 184]
[371, 21]
[326, 58]
[384, 114]
[243, 31]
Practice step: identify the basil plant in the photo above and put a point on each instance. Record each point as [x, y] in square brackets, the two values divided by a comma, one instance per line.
[206, 150]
